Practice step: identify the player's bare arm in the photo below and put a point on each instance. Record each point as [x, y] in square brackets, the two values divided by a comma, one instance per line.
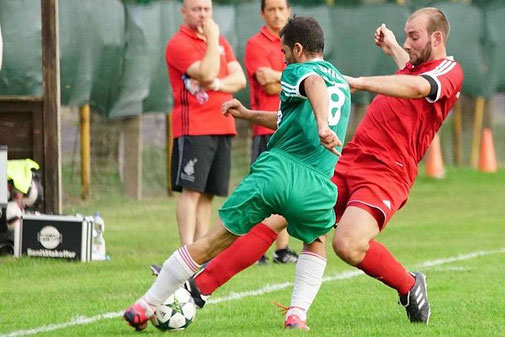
[315, 90]
[269, 79]
[272, 88]
[386, 40]
[236, 109]
[231, 83]
[206, 70]
[401, 86]
[266, 75]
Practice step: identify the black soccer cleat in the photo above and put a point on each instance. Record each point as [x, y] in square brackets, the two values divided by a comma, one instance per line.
[155, 269]
[262, 261]
[197, 296]
[416, 300]
[285, 256]
[189, 285]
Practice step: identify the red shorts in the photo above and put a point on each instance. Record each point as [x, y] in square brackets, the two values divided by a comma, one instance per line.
[366, 182]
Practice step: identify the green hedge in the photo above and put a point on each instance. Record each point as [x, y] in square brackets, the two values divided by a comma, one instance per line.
[112, 52]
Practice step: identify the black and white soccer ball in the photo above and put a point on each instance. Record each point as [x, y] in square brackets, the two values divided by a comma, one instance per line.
[176, 313]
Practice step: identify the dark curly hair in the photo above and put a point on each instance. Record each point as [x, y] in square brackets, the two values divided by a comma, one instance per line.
[306, 31]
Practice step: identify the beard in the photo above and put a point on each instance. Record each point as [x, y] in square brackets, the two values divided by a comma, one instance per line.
[289, 59]
[424, 55]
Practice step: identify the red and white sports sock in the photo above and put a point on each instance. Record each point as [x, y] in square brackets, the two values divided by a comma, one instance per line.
[176, 270]
[308, 279]
[244, 252]
[379, 263]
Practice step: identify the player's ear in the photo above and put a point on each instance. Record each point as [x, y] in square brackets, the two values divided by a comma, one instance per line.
[437, 38]
[298, 49]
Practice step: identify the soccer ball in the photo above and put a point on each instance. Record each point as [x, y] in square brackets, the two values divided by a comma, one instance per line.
[176, 313]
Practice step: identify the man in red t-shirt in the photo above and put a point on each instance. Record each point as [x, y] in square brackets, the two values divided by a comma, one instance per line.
[203, 74]
[378, 166]
[264, 63]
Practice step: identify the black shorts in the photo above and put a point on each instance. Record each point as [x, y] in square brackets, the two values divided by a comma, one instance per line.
[202, 163]
[259, 145]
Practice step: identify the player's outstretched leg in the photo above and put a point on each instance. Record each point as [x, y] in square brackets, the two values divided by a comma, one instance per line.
[416, 300]
[243, 253]
[354, 243]
[308, 279]
[232, 260]
[179, 267]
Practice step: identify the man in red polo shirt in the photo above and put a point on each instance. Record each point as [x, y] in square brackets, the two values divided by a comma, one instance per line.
[264, 63]
[203, 74]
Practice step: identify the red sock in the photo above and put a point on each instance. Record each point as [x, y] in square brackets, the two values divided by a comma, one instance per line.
[379, 263]
[244, 252]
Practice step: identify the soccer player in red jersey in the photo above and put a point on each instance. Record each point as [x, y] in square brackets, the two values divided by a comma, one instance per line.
[379, 165]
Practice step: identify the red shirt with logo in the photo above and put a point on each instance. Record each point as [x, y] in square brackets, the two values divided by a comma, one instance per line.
[398, 131]
[263, 50]
[196, 111]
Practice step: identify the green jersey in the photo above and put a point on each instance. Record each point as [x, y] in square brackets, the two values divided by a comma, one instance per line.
[297, 132]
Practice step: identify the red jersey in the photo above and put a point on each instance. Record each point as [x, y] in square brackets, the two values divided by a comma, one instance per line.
[196, 111]
[263, 50]
[398, 131]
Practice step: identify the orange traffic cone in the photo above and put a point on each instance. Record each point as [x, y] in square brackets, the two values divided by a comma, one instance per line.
[434, 162]
[487, 159]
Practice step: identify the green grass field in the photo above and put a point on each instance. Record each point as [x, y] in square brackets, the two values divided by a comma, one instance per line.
[438, 232]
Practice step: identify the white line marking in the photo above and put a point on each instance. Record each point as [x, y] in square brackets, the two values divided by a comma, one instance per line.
[451, 269]
[81, 320]
[460, 257]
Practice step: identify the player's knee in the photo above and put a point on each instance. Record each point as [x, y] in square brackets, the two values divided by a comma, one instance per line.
[189, 195]
[348, 249]
[276, 222]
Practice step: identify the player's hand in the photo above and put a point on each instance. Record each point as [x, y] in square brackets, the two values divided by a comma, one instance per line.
[196, 85]
[329, 139]
[266, 75]
[385, 39]
[209, 29]
[353, 83]
[233, 107]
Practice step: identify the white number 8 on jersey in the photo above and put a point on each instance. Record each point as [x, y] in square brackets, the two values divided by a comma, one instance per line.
[336, 100]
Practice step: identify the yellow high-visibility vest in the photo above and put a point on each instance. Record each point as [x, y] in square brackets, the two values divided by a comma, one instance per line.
[20, 172]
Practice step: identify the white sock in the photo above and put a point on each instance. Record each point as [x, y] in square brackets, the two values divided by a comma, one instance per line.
[176, 270]
[308, 278]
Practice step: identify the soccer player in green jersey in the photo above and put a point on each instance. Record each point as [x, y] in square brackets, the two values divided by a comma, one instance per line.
[292, 179]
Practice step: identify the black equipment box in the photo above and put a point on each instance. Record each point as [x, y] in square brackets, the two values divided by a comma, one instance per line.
[54, 236]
